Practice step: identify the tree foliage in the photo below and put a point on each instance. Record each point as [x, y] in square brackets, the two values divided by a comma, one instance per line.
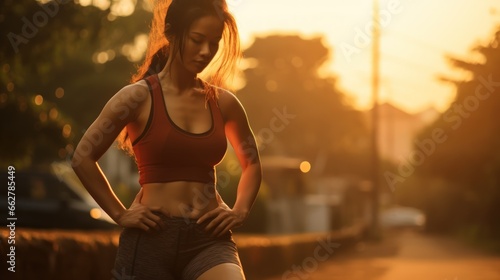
[284, 80]
[462, 187]
[32, 134]
[74, 56]
[63, 52]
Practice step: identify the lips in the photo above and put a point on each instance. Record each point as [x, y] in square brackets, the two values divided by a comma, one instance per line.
[201, 63]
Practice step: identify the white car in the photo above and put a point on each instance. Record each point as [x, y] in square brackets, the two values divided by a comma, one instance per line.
[396, 217]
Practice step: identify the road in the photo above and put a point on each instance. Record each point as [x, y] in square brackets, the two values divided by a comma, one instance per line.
[403, 255]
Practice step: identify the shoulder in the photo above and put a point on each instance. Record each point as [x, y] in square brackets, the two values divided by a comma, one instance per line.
[127, 101]
[228, 100]
[137, 92]
[230, 105]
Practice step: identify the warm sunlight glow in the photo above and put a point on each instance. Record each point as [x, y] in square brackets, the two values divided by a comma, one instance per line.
[101, 57]
[102, 4]
[95, 213]
[416, 37]
[305, 166]
[59, 92]
[66, 132]
[134, 52]
[85, 2]
[6, 68]
[39, 100]
[3, 98]
[10, 86]
[420, 220]
[122, 8]
[53, 113]
[271, 85]
[62, 153]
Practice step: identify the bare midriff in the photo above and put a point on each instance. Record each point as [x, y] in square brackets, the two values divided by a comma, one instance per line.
[181, 198]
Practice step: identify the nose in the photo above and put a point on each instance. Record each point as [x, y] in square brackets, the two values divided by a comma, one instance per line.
[205, 50]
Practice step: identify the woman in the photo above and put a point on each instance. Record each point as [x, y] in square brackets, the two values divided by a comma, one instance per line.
[177, 126]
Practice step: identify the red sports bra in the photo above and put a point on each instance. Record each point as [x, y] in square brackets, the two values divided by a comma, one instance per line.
[164, 152]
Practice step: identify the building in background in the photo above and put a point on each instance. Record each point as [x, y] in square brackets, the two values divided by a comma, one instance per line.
[398, 130]
[122, 174]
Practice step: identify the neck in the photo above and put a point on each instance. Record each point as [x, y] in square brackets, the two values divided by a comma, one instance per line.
[177, 76]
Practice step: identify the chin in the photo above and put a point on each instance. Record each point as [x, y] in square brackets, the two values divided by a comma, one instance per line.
[195, 70]
[198, 68]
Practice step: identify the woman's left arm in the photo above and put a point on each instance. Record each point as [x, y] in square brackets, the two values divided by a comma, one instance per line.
[242, 140]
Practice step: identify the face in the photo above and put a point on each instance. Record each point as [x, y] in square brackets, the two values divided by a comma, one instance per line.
[202, 43]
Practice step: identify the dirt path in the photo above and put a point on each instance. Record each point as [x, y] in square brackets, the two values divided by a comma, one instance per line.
[403, 255]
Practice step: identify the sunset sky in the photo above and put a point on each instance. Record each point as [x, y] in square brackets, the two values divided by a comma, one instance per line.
[416, 37]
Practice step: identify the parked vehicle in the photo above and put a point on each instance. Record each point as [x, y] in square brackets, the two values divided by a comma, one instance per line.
[402, 217]
[53, 197]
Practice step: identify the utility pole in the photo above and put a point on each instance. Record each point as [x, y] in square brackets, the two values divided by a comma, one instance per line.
[375, 124]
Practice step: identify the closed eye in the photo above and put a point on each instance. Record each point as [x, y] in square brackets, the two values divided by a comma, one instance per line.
[196, 41]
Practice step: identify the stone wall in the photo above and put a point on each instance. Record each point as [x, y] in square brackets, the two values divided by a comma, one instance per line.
[89, 255]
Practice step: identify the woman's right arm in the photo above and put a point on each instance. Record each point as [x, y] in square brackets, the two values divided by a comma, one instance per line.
[122, 109]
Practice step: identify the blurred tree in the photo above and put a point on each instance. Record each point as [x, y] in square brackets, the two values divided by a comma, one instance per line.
[463, 174]
[294, 110]
[75, 57]
[34, 132]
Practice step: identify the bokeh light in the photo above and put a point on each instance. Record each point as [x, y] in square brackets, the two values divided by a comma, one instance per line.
[66, 132]
[95, 213]
[59, 92]
[305, 166]
[38, 100]
[53, 113]
[10, 86]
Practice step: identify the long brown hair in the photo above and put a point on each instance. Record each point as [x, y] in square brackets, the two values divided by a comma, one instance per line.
[171, 22]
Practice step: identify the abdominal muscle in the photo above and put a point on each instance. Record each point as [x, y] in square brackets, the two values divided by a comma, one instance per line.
[181, 198]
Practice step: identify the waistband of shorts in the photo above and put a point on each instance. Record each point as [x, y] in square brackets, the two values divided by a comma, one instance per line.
[175, 219]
